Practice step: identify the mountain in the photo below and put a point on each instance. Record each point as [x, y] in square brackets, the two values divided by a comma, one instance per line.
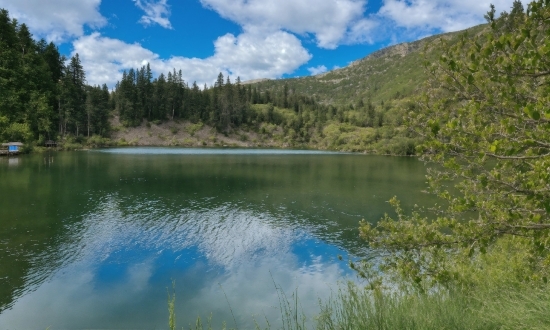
[360, 108]
[391, 73]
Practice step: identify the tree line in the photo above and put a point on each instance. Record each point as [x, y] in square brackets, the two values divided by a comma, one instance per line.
[228, 105]
[41, 97]
[44, 96]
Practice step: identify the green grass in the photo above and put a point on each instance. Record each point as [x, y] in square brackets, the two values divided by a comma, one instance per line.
[357, 308]
[354, 307]
[493, 290]
[503, 308]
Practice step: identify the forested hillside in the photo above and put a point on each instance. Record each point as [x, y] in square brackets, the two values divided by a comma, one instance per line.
[361, 107]
[42, 97]
[387, 75]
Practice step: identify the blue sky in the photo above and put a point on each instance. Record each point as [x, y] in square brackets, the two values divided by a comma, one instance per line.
[247, 38]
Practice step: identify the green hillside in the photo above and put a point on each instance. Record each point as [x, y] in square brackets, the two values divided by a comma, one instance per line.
[391, 73]
[360, 108]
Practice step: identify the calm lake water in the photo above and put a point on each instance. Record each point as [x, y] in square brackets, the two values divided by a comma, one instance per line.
[93, 239]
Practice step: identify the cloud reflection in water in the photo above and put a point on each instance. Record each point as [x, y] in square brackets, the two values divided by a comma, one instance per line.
[124, 254]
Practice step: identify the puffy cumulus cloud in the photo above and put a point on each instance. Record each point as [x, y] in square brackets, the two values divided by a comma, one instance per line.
[248, 55]
[443, 15]
[155, 12]
[103, 57]
[254, 56]
[337, 22]
[331, 21]
[317, 70]
[56, 20]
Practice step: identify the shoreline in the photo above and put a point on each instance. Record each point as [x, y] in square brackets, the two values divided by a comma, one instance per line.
[185, 134]
[218, 147]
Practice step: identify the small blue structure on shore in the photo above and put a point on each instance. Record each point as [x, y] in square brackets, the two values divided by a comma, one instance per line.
[13, 147]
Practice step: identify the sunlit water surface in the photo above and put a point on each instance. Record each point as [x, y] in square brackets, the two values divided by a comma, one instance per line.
[94, 239]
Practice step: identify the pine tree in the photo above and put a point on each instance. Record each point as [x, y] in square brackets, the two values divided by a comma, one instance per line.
[73, 96]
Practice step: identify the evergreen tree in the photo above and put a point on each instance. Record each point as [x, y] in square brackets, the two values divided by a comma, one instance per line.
[27, 88]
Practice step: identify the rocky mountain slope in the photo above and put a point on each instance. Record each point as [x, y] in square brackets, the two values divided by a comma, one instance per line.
[390, 73]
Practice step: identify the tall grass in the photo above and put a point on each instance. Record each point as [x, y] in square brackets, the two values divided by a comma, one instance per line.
[358, 308]
[171, 307]
[292, 316]
[523, 306]
[518, 307]
[513, 307]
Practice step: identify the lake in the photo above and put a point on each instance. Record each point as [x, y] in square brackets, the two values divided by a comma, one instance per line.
[95, 239]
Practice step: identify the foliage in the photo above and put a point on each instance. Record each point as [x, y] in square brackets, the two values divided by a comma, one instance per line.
[48, 93]
[18, 132]
[26, 82]
[486, 121]
[355, 307]
[40, 96]
[283, 116]
[97, 110]
[375, 92]
[390, 74]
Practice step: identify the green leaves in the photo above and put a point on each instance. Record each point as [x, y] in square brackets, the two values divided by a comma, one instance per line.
[494, 146]
[531, 111]
[489, 144]
[452, 65]
[434, 126]
[27, 87]
[483, 180]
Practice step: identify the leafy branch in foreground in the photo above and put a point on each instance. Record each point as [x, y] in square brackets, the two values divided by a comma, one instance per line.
[486, 119]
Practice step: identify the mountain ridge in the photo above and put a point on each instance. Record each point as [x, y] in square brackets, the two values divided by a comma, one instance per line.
[378, 76]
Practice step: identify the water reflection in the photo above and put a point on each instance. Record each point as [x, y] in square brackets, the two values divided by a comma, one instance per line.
[48, 160]
[13, 161]
[207, 151]
[123, 260]
[92, 239]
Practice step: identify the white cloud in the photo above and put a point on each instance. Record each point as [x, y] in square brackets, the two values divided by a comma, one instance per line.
[268, 46]
[56, 20]
[155, 12]
[337, 22]
[317, 70]
[248, 55]
[443, 15]
[360, 32]
[103, 58]
[331, 21]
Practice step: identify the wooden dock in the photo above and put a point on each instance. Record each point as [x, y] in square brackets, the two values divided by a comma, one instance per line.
[8, 153]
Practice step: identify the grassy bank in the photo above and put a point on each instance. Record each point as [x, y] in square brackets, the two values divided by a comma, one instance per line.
[334, 136]
[524, 307]
[354, 307]
[497, 289]
[494, 290]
